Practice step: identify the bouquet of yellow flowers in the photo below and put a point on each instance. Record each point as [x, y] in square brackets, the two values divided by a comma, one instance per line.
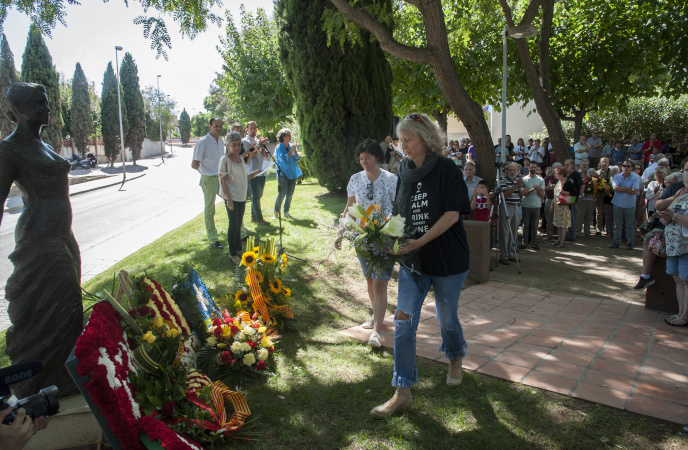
[263, 291]
[375, 237]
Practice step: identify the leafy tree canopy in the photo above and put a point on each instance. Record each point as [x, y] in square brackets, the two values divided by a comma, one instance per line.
[132, 99]
[253, 78]
[81, 114]
[193, 16]
[157, 104]
[8, 76]
[184, 126]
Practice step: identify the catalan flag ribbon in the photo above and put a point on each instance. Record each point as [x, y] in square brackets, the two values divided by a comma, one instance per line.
[257, 295]
[221, 393]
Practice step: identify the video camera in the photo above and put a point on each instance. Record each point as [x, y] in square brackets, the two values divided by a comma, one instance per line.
[42, 404]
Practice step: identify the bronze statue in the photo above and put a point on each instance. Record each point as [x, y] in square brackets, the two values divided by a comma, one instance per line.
[44, 291]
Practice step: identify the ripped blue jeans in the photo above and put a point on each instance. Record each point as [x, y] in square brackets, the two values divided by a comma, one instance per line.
[410, 299]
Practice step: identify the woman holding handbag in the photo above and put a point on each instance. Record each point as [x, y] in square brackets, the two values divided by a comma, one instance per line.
[560, 205]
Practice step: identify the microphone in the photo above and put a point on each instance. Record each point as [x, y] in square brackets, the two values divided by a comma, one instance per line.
[18, 372]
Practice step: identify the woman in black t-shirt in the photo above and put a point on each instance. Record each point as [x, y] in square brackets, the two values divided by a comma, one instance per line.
[431, 194]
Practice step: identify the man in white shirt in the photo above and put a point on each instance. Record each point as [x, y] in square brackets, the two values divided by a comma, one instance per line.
[206, 160]
[537, 153]
[581, 149]
[256, 155]
[658, 162]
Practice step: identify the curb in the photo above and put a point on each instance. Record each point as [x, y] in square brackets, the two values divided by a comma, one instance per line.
[17, 208]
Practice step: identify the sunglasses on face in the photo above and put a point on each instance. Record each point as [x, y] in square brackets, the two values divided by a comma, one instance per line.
[629, 166]
[415, 117]
[369, 195]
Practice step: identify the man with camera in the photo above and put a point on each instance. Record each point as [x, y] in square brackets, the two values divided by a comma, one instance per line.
[509, 215]
[257, 153]
[18, 433]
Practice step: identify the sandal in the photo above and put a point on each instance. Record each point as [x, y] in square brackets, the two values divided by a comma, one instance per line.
[235, 259]
[677, 322]
[671, 317]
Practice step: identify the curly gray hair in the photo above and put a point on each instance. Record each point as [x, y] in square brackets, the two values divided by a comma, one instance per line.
[423, 127]
[232, 136]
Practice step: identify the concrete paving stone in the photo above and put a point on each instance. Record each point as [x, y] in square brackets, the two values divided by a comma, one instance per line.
[584, 299]
[515, 287]
[570, 357]
[582, 311]
[526, 322]
[612, 308]
[600, 394]
[558, 326]
[496, 284]
[572, 317]
[547, 310]
[493, 341]
[529, 297]
[663, 376]
[530, 349]
[577, 349]
[676, 393]
[560, 297]
[518, 359]
[548, 333]
[482, 351]
[672, 365]
[636, 348]
[609, 365]
[661, 409]
[610, 380]
[563, 369]
[506, 334]
[504, 371]
[593, 334]
[428, 351]
[516, 306]
[550, 382]
[472, 362]
[542, 318]
[542, 341]
[536, 291]
[609, 314]
[435, 339]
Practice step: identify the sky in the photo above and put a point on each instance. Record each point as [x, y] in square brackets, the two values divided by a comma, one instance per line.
[94, 29]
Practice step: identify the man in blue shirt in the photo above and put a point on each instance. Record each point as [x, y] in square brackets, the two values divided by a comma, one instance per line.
[626, 186]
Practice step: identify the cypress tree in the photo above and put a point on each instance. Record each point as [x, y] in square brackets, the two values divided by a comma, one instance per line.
[8, 76]
[135, 132]
[185, 126]
[82, 122]
[342, 96]
[37, 67]
[109, 113]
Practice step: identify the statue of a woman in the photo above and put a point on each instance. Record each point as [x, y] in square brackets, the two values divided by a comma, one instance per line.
[44, 291]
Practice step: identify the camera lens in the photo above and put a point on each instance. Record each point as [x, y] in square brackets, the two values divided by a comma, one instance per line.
[42, 404]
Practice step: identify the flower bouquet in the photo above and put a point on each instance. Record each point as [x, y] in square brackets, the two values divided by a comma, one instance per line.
[375, 238]
[238, 348]
[602, 187]
[263, 292]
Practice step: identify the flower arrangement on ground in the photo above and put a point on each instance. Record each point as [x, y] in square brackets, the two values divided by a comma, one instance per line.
[238, 348]
[141, 365]
[373, 236]
[259, 286]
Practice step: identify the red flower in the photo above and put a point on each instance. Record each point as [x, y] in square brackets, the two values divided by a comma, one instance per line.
[226, 316]
[229, 320]
[217, 322]
[251, 344]
[260, 365]
[271, 349]
[226, 357]
[217, 332]
[168, 409]
[234, 330]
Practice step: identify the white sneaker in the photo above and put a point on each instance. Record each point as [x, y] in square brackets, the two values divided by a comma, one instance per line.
[368, 324]
[374, 340]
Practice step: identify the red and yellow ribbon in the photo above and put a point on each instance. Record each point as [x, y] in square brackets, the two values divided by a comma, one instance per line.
[256, 293]
[221, 393]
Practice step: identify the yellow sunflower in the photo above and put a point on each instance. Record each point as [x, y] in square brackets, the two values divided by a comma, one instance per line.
[258, 275]
[241, 297]
[276, 285]
[286, 292]
[248, 259]
[255, 249]
[284, 261]
[267, 258]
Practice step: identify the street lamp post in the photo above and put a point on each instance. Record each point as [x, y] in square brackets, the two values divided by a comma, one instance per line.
[162, 150]
[516, 32]
[121, 128]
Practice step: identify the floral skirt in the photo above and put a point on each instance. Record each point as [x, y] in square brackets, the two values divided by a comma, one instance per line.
[562, 216]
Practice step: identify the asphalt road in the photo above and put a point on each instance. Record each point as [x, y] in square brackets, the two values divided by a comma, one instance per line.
[110, 224]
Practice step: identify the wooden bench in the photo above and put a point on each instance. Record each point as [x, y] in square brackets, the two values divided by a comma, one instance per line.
[478, 236]
[661, 296]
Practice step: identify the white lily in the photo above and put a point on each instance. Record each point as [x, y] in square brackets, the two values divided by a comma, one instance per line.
[394, 227]
[348, 222]
[357, 212]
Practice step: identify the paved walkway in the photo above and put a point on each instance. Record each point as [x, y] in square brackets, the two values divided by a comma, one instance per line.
[603, 351]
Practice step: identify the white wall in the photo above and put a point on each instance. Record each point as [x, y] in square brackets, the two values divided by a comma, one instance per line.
[518, 124]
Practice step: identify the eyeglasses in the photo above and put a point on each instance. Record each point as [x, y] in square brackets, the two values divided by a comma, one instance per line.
[625, 165]
[370, 191]
[415, 117]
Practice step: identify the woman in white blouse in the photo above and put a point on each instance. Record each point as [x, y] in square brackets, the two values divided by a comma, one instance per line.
[373, 186]
[234, 178]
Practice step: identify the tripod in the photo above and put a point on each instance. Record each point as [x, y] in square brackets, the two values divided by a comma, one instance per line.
[503, 215]
[279, 214]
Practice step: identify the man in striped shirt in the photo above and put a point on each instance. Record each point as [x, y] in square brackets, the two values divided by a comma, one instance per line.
[509, 215]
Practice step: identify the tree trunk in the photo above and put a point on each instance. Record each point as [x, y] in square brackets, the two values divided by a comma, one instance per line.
[438, 57]
[441, 118]
[539, 82]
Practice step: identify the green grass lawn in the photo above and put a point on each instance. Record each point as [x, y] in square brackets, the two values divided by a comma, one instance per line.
[326, 383]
